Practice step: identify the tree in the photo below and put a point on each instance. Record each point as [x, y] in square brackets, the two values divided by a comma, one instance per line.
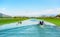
[58, 16]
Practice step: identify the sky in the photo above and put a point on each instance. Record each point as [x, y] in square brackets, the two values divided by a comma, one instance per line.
[30, 7]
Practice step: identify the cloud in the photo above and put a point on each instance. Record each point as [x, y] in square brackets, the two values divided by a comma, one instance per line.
[30, 12]
[3, 10]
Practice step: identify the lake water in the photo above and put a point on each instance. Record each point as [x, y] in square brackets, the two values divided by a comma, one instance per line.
[29, 31]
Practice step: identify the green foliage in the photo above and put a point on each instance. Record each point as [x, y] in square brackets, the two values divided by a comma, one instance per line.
[55, 21]
[11, 20]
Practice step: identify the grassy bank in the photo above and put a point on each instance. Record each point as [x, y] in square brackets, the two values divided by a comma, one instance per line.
[11, 20]
[52, 20]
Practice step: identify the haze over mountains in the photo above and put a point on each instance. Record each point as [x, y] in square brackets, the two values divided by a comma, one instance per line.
[30, 8]
[30, 13]
[3, 15]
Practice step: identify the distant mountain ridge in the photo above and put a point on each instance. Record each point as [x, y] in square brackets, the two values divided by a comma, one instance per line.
[4, 15]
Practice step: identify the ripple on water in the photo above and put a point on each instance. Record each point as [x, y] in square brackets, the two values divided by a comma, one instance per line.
[31, 31]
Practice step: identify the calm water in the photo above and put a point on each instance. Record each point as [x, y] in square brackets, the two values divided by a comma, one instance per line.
[31, 31]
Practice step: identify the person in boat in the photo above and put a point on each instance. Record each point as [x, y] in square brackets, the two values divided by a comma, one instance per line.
[19, 22]
[41, 23]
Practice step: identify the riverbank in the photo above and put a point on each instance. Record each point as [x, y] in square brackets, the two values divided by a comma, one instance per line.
[55, 21]
[10, 20]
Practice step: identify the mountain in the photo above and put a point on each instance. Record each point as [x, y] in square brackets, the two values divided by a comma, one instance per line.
[3, 15]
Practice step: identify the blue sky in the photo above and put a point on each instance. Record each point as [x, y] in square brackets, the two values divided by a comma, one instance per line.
[32, 7]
